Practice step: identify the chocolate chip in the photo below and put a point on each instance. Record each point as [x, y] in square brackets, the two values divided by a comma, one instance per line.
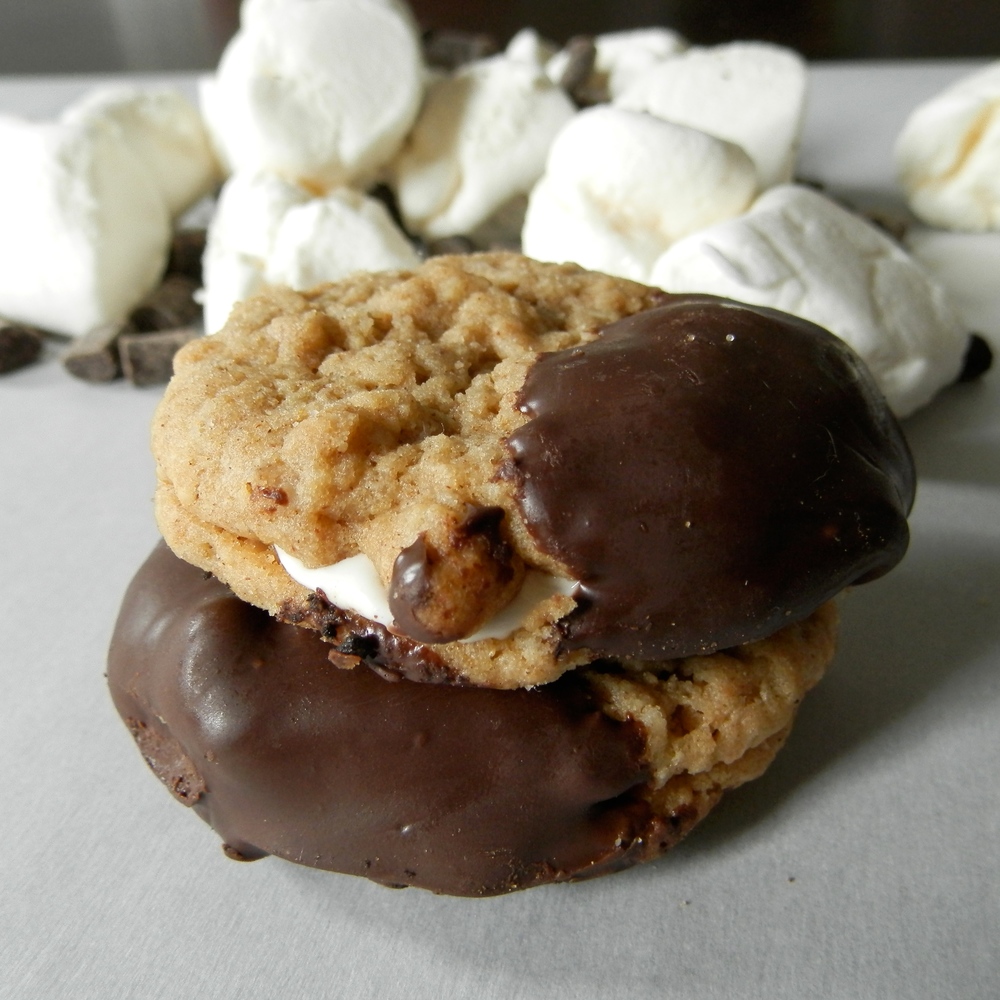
[94, 356]
[186, 251]
[450, 245]
[19, 346]
[582, 54]
[978, 358]
[148, 358]
[385, 194]
[451, 49]
[169, 307]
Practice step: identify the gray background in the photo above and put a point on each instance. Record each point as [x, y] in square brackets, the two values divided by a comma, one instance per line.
[862, 865]
[57, 36]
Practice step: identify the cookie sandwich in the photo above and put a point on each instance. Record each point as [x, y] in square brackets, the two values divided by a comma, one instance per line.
[492, 573]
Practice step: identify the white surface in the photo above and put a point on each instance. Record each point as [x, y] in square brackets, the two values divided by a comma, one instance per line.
[884, 807]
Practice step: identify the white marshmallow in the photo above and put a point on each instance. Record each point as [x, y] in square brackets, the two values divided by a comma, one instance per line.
[329, 238]
[750, 93]
[163, 130]
[354, 585]
[621, 58]
[85, 226]
[269, 231]
[319, 91]
[528, 46]
[229, 277]
[799, 252]
[481, 141]
[240, 238]
[621, 186]
[968, 266]
[948, 155]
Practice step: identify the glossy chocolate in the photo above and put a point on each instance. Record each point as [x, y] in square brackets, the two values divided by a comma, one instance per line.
[710, 472]
[465, 791]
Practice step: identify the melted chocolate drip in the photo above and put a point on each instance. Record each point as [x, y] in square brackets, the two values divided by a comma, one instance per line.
[710, 472]
[421, 605]
[466, 791]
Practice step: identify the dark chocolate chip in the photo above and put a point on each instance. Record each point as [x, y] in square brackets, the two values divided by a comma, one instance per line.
[94, 356]
[450, 245]
[170, 306]
[385, 194]
[20, 346]
[582, 53]
[451, 49]
[148, 358]
[978, 358]
[186, 251]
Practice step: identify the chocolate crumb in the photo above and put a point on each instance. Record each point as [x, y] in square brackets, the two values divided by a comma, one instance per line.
[20, 346]
[94, 356]
[148, 358]
[273, 496]
[243, 853]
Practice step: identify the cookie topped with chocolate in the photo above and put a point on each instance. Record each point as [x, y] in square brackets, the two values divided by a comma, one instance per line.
[547, 555]
[491, 470]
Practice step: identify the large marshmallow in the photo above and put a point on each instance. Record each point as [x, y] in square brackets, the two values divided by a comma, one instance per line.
[269, 231]
[968, 266]
[750, 93]
[163, 130]
[480, 142]
[948, 155]
[621, 58]
[320, 91]
[799, 252]
[620, 187]
[329, 238]
[86, 228]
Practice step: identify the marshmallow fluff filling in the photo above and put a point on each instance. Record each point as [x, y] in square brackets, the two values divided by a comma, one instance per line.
[353, 585]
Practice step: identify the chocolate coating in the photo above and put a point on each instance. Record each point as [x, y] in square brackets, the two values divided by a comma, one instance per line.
[710, 472]
[467, 791]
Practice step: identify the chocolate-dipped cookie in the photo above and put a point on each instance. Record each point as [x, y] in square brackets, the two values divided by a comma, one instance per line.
[460, 790]
[492, 471]
[547, 555]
